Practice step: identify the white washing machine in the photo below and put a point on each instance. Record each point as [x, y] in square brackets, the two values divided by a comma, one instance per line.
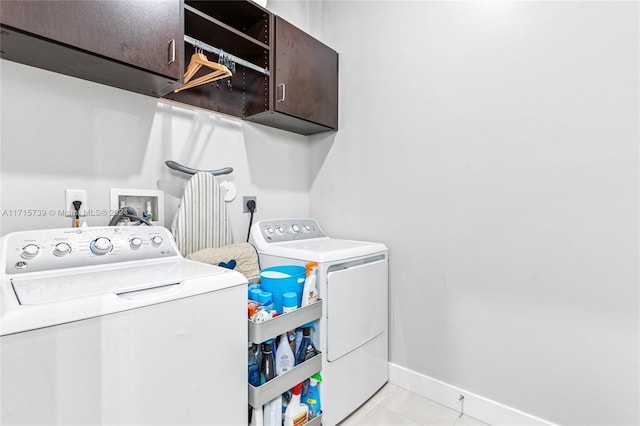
[352, 281]
[112, 326]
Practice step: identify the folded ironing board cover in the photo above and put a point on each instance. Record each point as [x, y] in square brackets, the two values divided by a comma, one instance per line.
[201, 220]
[241, 257]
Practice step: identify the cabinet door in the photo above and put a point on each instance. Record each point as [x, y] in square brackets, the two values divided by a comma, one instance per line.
[139, 33]
[306, 76]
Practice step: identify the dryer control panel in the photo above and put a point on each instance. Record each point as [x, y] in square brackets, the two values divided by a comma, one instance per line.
[52, 249]
[275, 231]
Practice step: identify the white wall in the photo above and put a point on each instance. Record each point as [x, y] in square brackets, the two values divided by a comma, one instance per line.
[493, 146]
[60, 132]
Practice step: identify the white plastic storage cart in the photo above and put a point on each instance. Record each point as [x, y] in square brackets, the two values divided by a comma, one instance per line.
[261, 332]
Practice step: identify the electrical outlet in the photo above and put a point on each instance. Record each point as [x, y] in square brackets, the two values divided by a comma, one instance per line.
[72, 195]
[245, 209]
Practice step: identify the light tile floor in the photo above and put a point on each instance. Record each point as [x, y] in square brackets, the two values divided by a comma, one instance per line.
[395, 406]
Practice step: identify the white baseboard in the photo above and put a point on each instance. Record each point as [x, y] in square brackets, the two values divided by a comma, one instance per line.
[476, 406]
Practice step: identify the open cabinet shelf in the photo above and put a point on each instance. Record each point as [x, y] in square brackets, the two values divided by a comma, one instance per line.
[248, 91]
[245, 17]
[223, 36]
[284, 77]
[240, 29]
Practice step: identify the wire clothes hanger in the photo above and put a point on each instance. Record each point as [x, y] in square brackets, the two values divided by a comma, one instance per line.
[199, 60]
[226, 60]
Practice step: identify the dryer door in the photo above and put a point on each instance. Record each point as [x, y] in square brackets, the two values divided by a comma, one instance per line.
[357, 304]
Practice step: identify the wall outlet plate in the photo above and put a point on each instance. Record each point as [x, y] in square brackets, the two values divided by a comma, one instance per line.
[245, 209]
[71, 195]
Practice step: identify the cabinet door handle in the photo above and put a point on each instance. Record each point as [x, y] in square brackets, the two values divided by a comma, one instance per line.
[172, 51]
[283, 92]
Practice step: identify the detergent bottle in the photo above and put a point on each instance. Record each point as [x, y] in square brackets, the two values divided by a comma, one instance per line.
[310, 292]
[296, 413]
[284, 355]
[312, 399]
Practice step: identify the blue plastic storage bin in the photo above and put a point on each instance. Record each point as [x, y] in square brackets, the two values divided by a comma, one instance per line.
[281, 279]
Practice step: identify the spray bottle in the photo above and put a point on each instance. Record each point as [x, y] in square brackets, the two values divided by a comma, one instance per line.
[312, 399]
[310, 292]
[296, 412]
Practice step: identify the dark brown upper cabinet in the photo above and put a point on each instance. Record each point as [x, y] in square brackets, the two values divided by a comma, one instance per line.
[304, 91]
[283, 78]
[133, 45]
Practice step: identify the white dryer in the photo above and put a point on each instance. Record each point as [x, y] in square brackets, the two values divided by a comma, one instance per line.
[112, 326]
[352, 280]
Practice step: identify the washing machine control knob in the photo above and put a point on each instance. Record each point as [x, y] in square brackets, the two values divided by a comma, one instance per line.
[280, 229]
[29, 251]
[156, 241]
[307, 228]
[101, 245]
[295, 228]
[135, 243]
[61, 249]
[269, 230]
